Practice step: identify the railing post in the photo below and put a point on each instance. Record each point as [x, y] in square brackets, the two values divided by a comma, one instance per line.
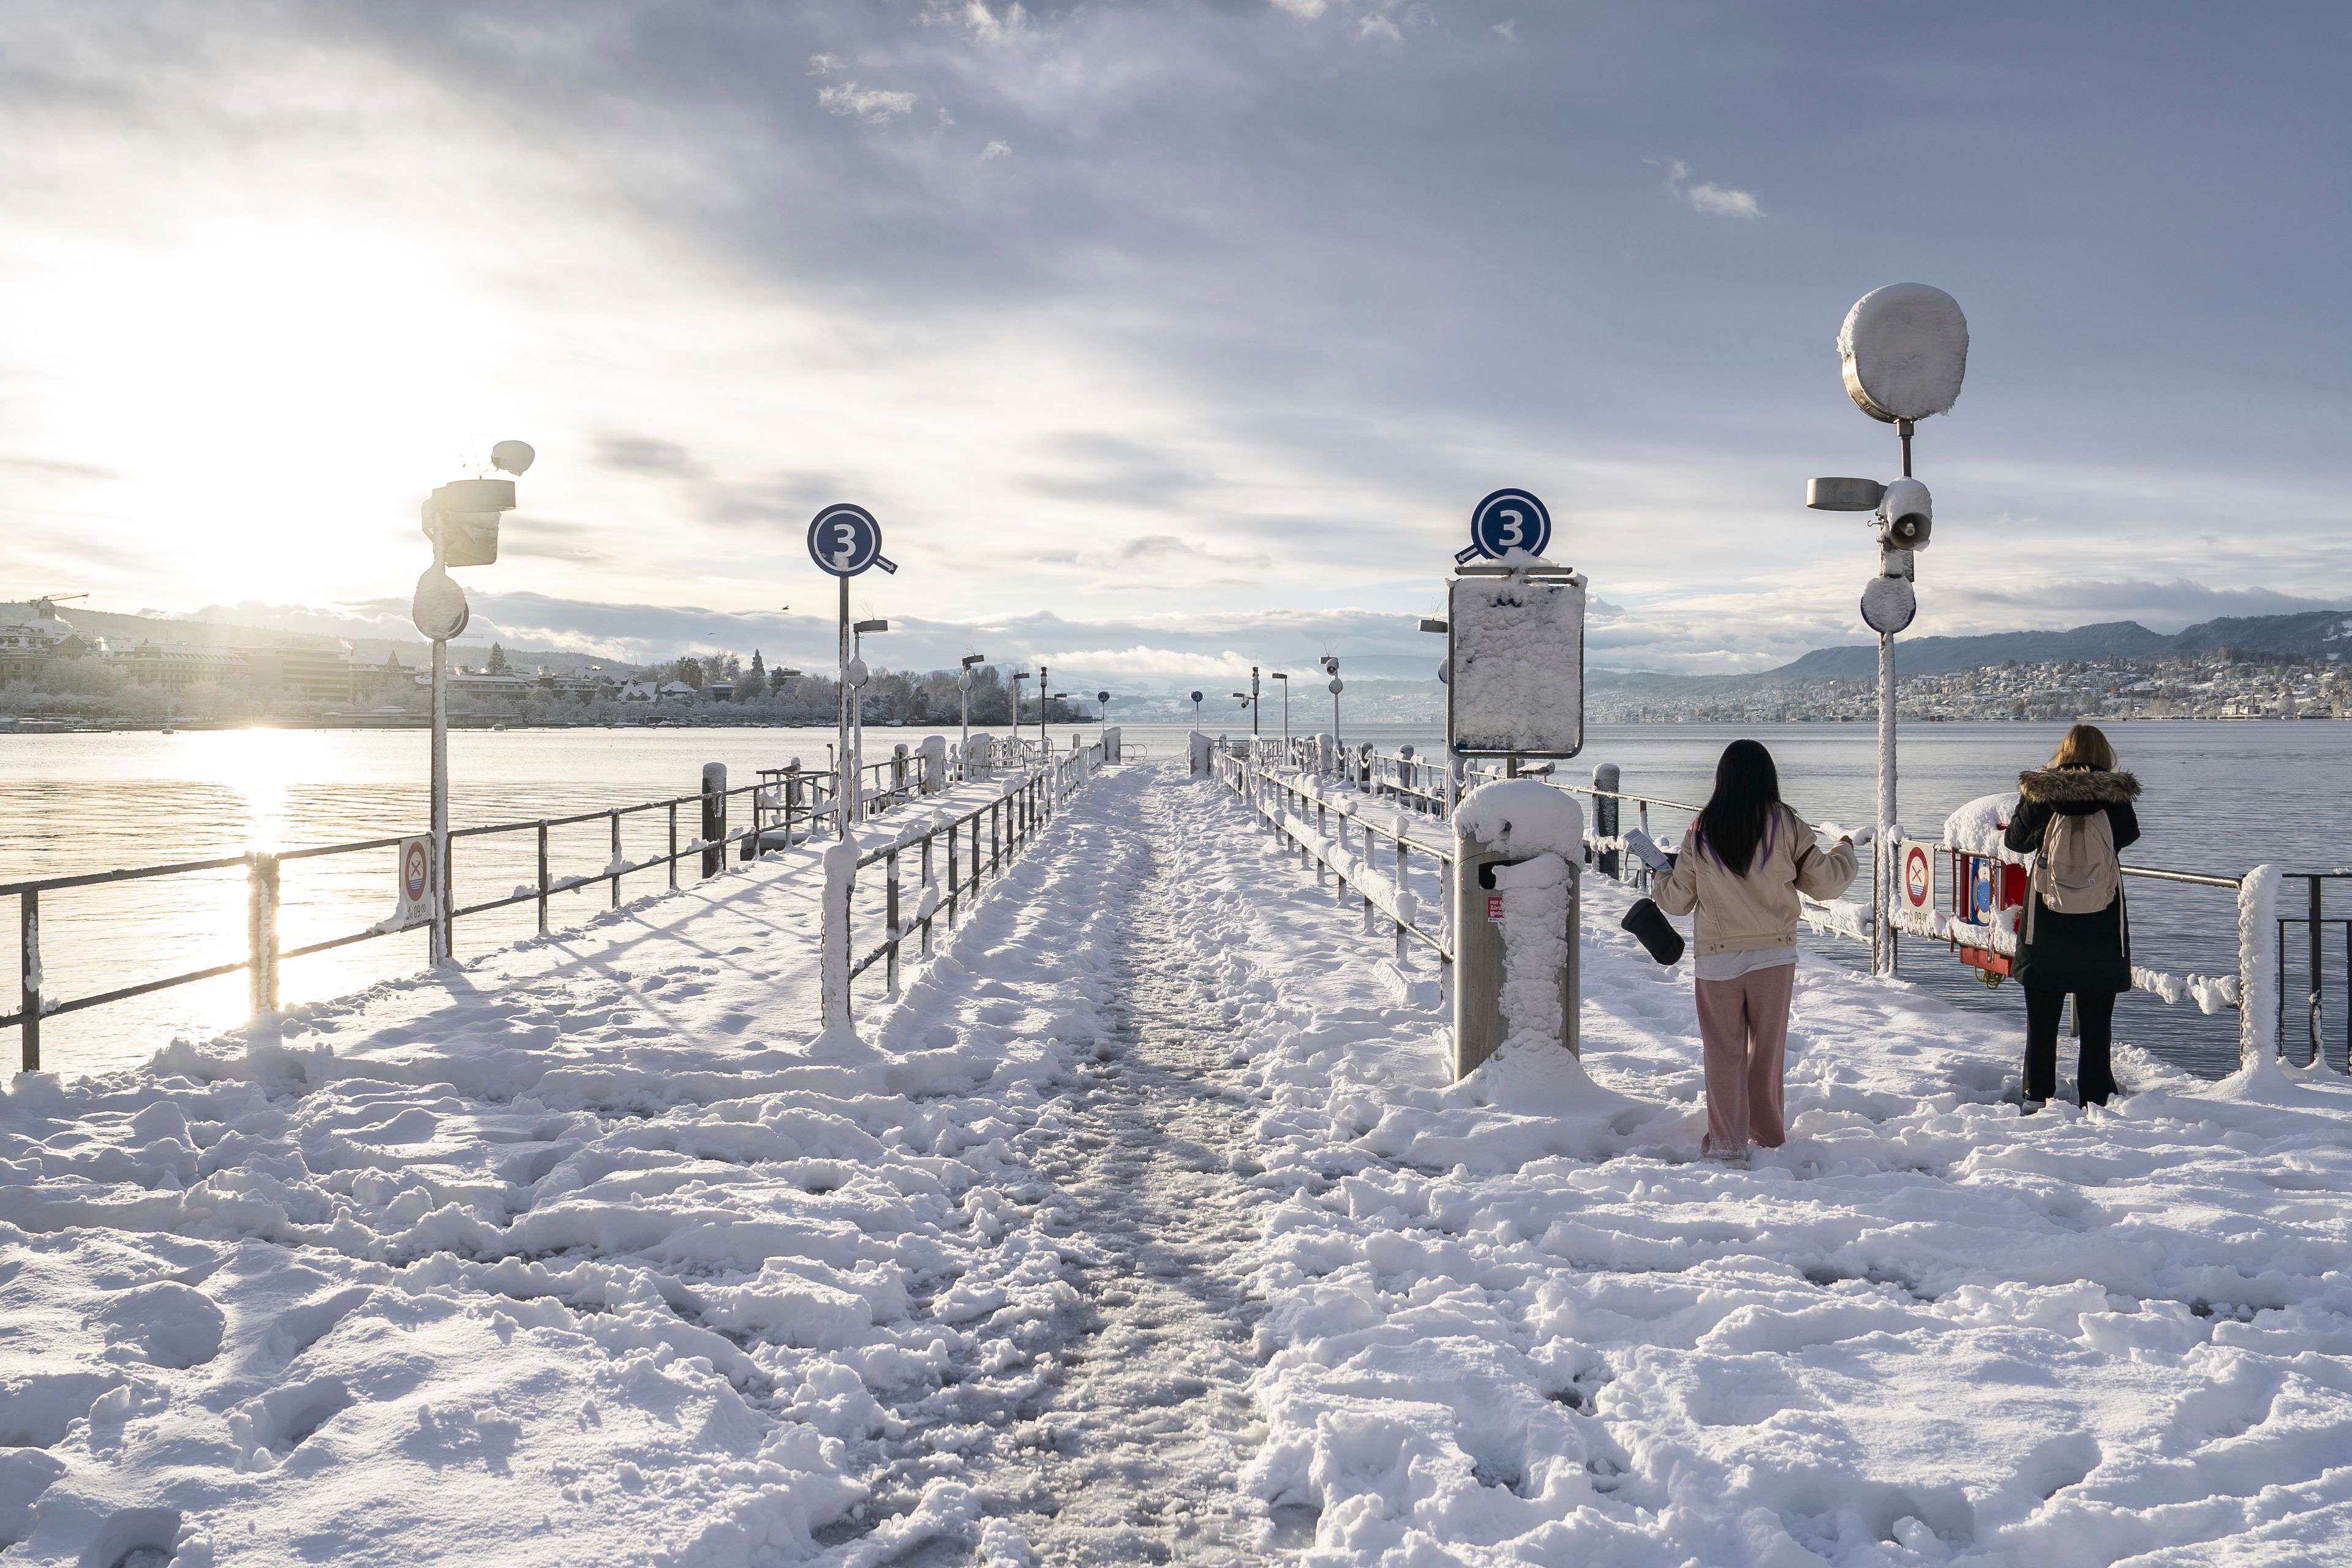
[543, 876]
[445, 899]
[714, 819]
[2258, 978]
[1605, 810]
[2319, 1055]
[261, 931]
[930, 890]
[890, 920]
[28, 956]
[673, 847]
[612, 867]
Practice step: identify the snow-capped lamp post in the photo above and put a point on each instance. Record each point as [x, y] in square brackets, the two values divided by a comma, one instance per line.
[461, 518]
[1903, 351]
[964, 683]
[843, 541]
[858, 632]
[1331, 666]
[1045, 703]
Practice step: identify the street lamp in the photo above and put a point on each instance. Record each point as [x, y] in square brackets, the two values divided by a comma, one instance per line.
[1286, 709]
[1045, 744]
[1332, 665]
[1904, 351]
[964, 684]
[461, 518]
[860, 678]
[1018, 676]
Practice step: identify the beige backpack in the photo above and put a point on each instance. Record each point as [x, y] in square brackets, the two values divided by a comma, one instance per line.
[2077, 871]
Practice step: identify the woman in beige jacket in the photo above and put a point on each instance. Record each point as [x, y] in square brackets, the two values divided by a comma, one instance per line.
[1744, 861]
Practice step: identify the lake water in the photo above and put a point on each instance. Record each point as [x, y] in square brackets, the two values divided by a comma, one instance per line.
[2219, 798]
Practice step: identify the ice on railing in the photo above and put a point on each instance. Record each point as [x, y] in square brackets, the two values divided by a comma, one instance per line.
[1998, 937]
[1839, 917]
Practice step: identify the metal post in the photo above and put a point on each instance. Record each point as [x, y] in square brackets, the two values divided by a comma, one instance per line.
[1606, 807]
[673, 847]
[714, 817]
[1043, 702]
[29, 959]
[930, 887]
[2317, 1055]
[614, 865]
[890, 920]
[441, 941]
[844, 801]
[261, 931]
[543, 876]
[1882, 932]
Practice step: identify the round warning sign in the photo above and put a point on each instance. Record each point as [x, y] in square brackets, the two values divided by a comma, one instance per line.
[1919, 877]
[415, 871]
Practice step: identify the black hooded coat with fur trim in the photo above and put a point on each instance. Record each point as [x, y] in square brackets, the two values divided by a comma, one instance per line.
[2075, 952]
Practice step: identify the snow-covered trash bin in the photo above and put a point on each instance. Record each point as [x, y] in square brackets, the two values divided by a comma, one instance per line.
[1519, 847]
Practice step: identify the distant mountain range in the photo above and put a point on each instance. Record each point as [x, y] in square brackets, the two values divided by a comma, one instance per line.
[2315, 633]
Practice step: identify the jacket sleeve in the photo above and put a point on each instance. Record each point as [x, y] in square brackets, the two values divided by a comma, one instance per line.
[2024, 835]
[1677, 892]
[1824, 876]
[2125, 822]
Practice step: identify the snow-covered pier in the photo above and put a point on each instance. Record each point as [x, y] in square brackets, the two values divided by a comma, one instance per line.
[1145, 1223]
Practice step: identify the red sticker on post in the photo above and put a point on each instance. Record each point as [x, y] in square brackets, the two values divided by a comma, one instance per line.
[1494, 906]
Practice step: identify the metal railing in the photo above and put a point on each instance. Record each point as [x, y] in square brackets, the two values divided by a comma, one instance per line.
[1424, 786]
[788, 806]
[1014, 819]
[1252, 781]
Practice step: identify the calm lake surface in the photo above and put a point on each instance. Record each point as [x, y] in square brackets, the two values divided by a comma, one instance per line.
[2219, 798]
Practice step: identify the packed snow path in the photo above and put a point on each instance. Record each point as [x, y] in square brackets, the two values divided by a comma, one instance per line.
[1145, 1227]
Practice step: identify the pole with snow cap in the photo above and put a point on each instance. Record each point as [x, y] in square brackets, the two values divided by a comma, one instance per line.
[843, 541]
[964, 683]
[461, 518]
[1902, 351]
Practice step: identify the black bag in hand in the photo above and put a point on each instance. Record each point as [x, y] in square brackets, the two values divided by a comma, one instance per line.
[1652, 930]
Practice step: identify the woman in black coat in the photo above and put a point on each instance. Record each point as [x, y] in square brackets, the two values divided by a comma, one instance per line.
[2088, 956]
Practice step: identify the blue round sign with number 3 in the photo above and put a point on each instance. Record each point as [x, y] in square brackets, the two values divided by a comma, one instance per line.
[1507, 520]
[845, 540]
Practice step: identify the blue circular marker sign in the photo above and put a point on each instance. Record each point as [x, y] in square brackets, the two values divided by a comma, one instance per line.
[1506, 521]
[845, 540]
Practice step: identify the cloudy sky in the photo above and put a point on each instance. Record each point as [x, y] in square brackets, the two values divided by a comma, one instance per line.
[1162, 336]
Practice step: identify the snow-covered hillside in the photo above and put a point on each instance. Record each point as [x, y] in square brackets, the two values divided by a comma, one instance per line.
[1145, 1227]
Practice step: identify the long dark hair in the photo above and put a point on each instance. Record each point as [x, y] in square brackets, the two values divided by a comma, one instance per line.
[1747, 788]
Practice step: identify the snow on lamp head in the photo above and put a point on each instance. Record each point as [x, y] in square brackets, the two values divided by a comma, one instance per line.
[1905, 350]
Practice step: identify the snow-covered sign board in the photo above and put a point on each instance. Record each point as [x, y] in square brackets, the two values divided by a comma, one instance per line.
[1517, 657]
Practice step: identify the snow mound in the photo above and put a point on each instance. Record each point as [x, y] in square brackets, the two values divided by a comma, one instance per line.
[1523, 817]
[1976, 829]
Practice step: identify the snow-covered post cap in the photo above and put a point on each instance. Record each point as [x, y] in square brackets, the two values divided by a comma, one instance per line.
[1523, 817]
[1905, 351]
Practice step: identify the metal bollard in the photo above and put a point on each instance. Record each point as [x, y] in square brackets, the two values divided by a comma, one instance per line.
[1479, 1026]
[714, 819]
[261, 931]
[1604, 820]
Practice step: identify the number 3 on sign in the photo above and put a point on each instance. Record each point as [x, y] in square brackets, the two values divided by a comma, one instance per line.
[1505, 521]
[845, 540]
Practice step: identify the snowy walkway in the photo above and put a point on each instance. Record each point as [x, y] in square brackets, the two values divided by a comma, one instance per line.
[1146, 1228]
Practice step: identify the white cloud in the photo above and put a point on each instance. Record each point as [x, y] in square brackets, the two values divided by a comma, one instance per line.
[1715, 201]
[1309, 9]
[1510, 29]
[872, 104]
[825, 65]
[993, 151]
[988, 28]
[1380, 28]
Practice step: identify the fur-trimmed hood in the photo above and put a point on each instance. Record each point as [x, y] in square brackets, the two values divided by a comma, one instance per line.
[2077, 786]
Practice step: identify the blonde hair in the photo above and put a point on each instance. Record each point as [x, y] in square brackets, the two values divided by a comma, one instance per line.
[2084, 744]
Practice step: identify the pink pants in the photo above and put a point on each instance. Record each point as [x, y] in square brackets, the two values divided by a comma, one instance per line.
[1744, 1025]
